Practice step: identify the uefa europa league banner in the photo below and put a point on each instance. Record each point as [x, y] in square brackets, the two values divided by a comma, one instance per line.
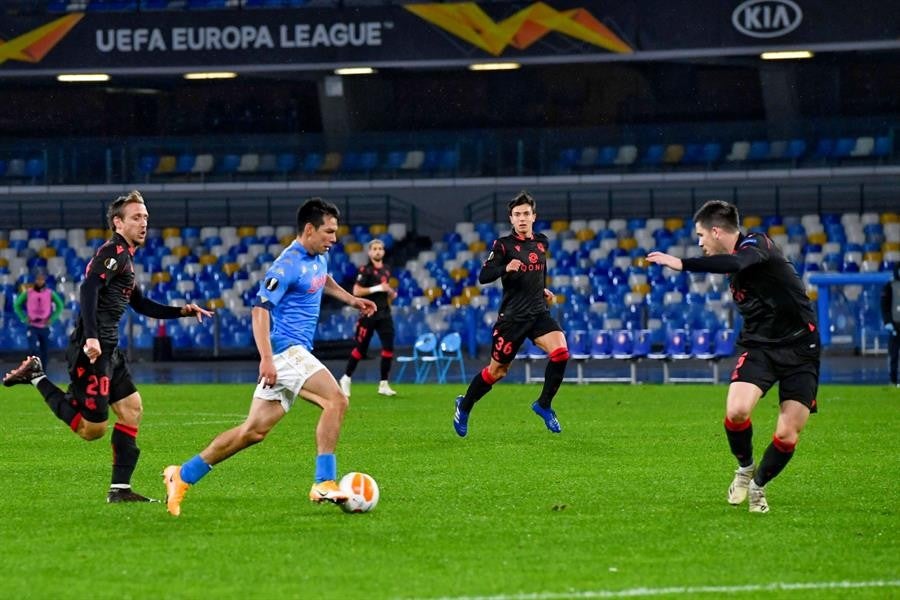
[430, 33]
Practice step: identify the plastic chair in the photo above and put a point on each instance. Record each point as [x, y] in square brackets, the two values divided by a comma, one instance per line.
[450, 354]
[423, 357]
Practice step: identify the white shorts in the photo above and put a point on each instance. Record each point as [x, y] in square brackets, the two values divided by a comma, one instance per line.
[292, 368]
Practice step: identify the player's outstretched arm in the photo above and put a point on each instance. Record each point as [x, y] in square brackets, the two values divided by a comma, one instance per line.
[364, 305]
[148, 307]
[666, 260]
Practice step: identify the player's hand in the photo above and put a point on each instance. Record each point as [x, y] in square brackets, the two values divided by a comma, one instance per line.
[666, 260]
[549, 296]
[92, 349]
[513, 265]
[195, 309]
[268, 376]
[391, 292]
[366, 307]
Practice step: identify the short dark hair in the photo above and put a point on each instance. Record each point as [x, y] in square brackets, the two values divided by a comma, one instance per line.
[519, 199]
[117, 208]
[314, 211]
[718, 213]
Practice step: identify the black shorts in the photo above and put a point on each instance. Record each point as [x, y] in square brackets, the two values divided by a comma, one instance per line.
[366, 327]
[98, 385]
[794, 367]
[508, 335]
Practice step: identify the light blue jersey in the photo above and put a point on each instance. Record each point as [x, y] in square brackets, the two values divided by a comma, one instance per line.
[292, 291]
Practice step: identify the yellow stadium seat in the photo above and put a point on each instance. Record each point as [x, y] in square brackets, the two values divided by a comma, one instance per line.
[246, 231]
[628, 243]
[559, 225]
[95, 233]
[341, 232]
[673, 223]
[171, 232]
[166, 164]
[208, 259]
[160, 277]
[47, 252]
[817, 238]
[181, 251]
[470, 291]
[4, 262]
[477, 246]
[459, 301]
[351, 247]
[640, 261]
[4, 244]
[459, 273]
[777, 230]
[231, 268]
[215, 303]
[812, 294]
[287, 240]
[889, 217]
[433, 292]
[752, 221]
[377, 229]
[585, 235]
[641, 288]
[890, 247]
[673, 154]
[873, 256]
[331, 162]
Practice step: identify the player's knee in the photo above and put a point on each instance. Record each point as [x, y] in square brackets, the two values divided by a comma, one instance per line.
[91, 431]
[737, 414]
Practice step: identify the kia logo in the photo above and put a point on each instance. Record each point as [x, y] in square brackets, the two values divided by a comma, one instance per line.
[766, 18]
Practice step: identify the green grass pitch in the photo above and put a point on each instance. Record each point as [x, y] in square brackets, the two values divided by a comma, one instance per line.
[628, 501]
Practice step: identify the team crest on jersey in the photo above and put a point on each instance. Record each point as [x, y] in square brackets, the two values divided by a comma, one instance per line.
[532, 257]
[272, 284]
[110, 264]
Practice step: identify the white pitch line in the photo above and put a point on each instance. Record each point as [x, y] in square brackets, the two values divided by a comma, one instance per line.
[681, 590]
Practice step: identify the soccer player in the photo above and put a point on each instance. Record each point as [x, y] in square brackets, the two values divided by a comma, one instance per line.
[519, 260]
[284, 323]
[100, 379]
[779, 342]
[373, 281]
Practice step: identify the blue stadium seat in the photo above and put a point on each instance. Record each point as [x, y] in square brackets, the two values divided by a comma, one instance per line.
[843, 147]
[759, 150]
[883, 146]
[607, 156]
[653, 155]
[286, 162]
[796, 148]
[229, 163]
[185, 163]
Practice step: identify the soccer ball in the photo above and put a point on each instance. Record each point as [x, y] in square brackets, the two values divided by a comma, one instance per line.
[362, 492]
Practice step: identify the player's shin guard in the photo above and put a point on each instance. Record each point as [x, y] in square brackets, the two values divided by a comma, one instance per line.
[740, 439]
[64, 406]
[480, 385]
[387, 357]
[774, 460]
[553, 376]
[125, 454]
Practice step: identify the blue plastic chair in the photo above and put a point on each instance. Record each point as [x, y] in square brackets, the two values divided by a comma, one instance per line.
[423, 357]
[883, 146]
[450, 354]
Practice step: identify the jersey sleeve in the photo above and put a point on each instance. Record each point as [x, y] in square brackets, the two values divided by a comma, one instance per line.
[275, 284]
[495, 264]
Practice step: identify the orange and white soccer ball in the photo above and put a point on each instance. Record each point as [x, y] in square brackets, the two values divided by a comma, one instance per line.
[362, 492]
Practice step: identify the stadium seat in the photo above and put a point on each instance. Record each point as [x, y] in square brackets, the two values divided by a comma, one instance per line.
[450, 353]
[739, 151]
[204, 164]
[249, 163]
[424, 356]
[626, 155]
[863, 147]
[884, 147]
[653, 155]
[759, 150]
[184, 163]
